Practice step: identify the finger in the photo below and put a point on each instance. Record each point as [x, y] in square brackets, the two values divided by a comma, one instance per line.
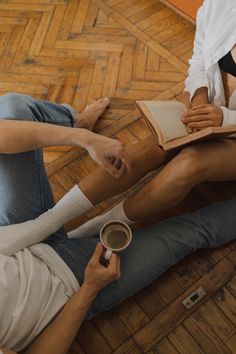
[197, 112]
[200, 125]
[97, 254]
[107, 164]
[191, 130]
[113, 262]
[118, 267]
[126, 161]
[119, 172]
[122, 170]
[113, 170]
[118, 167]
[201, 106]
[113, 159]
[117, 163]
[198, 118]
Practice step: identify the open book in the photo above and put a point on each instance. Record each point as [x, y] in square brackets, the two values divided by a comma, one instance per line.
[164, 120]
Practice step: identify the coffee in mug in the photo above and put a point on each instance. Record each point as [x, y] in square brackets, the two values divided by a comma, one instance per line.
[115, 236]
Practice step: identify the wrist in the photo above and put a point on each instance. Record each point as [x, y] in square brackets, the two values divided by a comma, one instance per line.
[200, 97]
[90, 290]
[82, 137]
[84, 298]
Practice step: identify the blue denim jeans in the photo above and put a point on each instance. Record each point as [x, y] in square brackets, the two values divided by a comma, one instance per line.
[25, 193]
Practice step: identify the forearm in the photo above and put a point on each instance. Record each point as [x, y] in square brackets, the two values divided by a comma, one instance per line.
[58, 336]
[200, 97]
[19, 136]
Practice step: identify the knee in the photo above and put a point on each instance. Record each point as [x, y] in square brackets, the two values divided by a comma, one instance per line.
[15, 106]
[152, 152]
[189, 167]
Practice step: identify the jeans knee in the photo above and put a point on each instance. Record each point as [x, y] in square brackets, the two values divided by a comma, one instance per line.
[15, 106]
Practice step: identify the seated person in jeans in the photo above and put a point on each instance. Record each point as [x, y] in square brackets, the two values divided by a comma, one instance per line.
[48, 282]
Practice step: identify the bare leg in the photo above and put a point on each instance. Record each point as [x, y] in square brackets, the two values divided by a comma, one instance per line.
[209, 161]
[146, 156]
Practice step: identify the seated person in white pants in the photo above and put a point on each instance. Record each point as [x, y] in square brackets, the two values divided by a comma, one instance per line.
[48, 282]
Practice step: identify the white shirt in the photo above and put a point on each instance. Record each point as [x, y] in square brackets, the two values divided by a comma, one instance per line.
[35, 283]
[215, 37]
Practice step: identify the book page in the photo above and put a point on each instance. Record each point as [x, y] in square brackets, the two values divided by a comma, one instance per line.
[167, 116]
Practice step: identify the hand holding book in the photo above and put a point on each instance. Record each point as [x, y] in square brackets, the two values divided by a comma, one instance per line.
[164, 119]
[203, 116]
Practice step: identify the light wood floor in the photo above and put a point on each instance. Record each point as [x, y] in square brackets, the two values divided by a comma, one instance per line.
[74, 51]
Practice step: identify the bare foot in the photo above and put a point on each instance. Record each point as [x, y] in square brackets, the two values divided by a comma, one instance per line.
[88, 118]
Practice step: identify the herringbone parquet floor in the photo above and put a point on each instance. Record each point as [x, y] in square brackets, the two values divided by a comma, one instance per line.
[75, 51]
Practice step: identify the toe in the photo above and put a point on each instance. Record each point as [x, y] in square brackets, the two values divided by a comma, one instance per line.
[104, 101]
[99, 105]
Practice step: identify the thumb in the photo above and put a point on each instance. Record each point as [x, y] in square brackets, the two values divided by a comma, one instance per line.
[97, 254]
[112, 170]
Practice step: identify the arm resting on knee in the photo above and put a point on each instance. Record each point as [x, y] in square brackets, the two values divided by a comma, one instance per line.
[19, 136]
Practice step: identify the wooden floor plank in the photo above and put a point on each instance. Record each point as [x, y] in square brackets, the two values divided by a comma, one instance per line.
[163, 347]
[220, 324]
[89, 331]
[231, 344]
[132, 315]
[129, 347]
[112, 328]
[183, 341]
[204, 335]
[150, 301]
[227, 303]
[146, 337]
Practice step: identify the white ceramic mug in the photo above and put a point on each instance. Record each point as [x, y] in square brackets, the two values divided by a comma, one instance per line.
[114, 232]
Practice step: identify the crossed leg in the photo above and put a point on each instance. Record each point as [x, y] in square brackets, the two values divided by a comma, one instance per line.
[206, 161]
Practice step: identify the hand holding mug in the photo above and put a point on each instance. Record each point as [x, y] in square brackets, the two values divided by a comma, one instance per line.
[97, 276]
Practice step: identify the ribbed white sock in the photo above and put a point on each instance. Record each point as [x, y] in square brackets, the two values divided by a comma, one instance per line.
[74, 203]
[93, 226]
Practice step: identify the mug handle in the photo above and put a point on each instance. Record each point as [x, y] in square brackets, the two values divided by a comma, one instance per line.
[108, 255]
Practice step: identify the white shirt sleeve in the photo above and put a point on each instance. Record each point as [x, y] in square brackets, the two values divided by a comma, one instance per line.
[18, 236]
[197, 76]
[229, 116]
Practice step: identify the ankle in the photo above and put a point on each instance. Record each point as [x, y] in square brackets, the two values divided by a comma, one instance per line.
[82, 122]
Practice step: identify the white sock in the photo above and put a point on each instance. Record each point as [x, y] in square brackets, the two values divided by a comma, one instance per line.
[93, 226]
[74, 203]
